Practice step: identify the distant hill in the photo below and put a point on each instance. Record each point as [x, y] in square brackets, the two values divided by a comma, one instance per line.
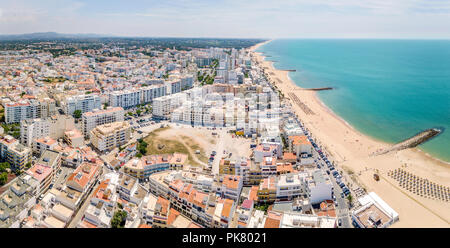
[20, 41]
[49, 36]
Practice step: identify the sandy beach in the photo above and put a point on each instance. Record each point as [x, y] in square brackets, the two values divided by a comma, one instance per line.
[353, 152]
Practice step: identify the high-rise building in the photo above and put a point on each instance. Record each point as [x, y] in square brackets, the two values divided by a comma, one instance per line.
[32, 129]
[97, 117]
[111, 135]
[21, 110]
[164, 106]
[173, 87]
[154, 91]
[85, 103]
[125, 99]
[47, 107]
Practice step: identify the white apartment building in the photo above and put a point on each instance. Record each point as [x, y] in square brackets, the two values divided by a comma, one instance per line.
[319, 187]
[151, 92]
[289, 186]
[186, 81]
[31, 129]
[21, 110]
[85, 103]
[108, 136]
[97, 117]
[173, 87]
[125, 99]
[164, 106]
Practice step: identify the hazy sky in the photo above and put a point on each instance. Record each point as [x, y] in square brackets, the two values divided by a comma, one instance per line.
[231, 18]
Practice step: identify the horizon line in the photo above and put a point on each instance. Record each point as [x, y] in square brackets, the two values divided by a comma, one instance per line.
[237, 38]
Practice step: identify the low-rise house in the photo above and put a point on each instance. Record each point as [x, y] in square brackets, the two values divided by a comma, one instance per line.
[42, 144]
[231, 187]
[17, 200]
[299, 220]
[267, 191]
[373, 212]
[74, 138]
[300, 145]
[147, 165]
[43, 174]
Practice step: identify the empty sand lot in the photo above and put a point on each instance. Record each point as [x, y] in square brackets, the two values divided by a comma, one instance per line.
[188, 139]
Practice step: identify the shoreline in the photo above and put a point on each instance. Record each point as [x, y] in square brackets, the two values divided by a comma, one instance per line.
[336, 116]
[352, 150]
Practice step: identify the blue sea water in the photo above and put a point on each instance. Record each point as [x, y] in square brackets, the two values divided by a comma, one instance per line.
[387, 89]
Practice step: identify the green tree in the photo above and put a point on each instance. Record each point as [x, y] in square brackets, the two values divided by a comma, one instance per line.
[142, 147]
[3, 178]
[119, 219]
[28, 165]
[4, 166]
[77, 114]
[16, 134]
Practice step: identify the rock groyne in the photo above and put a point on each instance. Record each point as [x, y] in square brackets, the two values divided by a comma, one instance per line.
[413, 141]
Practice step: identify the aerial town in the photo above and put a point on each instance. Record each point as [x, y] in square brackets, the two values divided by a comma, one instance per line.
[130, 135]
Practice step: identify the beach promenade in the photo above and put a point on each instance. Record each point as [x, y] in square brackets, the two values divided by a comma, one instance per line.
[352, 151]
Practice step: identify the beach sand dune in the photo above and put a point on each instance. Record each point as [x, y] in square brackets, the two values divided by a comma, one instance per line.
[352, 150]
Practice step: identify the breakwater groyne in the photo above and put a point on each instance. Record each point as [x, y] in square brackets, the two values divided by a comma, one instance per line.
[413, 141]
[319, 89]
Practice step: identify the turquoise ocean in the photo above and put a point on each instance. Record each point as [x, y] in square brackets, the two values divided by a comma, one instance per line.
[387, 89]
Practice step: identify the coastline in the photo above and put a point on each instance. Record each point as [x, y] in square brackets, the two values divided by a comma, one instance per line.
[352, 150]
[336, 116]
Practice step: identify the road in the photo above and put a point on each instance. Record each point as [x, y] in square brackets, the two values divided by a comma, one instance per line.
[219, 148]
[342, 206]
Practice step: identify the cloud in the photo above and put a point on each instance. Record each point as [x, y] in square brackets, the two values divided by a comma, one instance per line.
[231, 18]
